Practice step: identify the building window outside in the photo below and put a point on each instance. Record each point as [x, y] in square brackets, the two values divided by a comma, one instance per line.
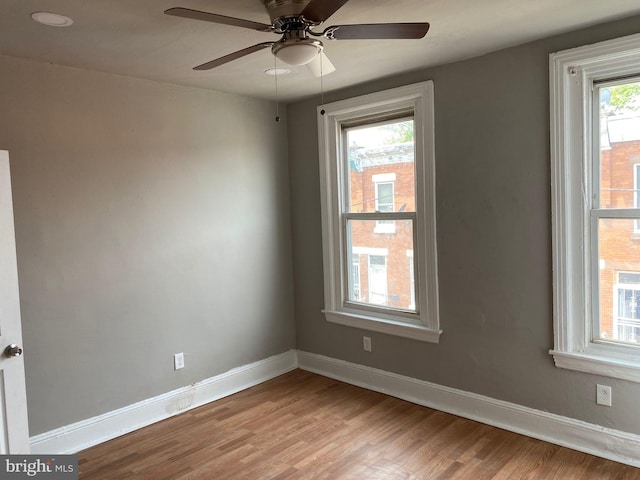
[384, 197]
[627, 308]
[377, 165]
[384, 192]
[595, 103]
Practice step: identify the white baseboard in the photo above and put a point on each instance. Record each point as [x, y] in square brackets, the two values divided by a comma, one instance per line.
[585, 437]
[86, 433]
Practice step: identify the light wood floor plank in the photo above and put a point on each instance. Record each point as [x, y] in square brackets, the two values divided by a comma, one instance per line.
[302, 426]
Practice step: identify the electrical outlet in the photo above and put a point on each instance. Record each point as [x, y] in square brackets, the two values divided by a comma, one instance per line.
[603, 395]
[178, 361]
[366, 344]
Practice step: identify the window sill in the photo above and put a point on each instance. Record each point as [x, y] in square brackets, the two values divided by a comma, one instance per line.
[390, 327]
[625, 367]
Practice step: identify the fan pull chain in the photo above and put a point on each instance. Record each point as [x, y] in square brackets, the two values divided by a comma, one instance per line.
[275, 71]
[322, 112]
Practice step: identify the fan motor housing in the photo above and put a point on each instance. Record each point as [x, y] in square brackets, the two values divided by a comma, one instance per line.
[284, 8]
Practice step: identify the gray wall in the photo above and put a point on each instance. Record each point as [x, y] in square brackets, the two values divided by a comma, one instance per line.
[494, 238]
[150, 219]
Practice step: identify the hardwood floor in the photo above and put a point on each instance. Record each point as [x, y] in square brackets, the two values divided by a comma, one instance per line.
[305, 426]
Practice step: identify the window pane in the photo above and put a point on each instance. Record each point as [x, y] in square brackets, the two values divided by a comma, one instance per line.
[381, 167]
[619, 145]
[619, 288]
[381, 265]
[628, 277]
[384, 197]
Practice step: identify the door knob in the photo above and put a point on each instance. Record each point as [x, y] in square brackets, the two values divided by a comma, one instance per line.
[13, 350]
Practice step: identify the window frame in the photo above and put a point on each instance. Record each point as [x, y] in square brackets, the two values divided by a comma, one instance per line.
[418, 98]
[573, 154]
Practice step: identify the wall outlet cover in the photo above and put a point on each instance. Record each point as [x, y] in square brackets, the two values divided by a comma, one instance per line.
[178, 361]
[603, 395]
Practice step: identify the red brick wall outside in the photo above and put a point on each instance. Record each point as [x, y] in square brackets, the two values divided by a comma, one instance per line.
[363, 191]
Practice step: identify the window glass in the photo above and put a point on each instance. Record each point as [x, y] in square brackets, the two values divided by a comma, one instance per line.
[627, 328]
[618, 318]
[384, 197]
[619, 292]
[377, 280]
[381, 166]
[386, 277]
[627, 277]
[619, 133]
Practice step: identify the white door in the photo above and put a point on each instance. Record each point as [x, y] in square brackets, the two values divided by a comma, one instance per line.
[14, 429]
[378, 279]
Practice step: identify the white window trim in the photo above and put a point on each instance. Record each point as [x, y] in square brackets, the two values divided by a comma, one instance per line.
[412, 274]
[572, 75]
[370, 251]
[383, 177]
[418, 97]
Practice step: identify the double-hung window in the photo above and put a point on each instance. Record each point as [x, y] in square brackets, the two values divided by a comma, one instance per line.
[595, 133]
[378, 187]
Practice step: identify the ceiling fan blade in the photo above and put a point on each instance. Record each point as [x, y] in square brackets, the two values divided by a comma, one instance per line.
[320, 10]
[375, 31]
[233, 56]
[321, 65]
[212, 17]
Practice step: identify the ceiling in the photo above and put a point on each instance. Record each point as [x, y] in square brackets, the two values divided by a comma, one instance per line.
[135, 38]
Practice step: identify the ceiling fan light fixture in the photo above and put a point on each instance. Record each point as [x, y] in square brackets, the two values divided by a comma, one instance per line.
[295, 21]
[297, 53]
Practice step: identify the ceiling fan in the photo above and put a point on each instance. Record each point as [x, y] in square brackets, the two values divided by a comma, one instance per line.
[294, 20]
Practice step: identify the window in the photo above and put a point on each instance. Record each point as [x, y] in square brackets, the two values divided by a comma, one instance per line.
[384, 196]
[626, 319]
[595, 132]
[378, 187]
